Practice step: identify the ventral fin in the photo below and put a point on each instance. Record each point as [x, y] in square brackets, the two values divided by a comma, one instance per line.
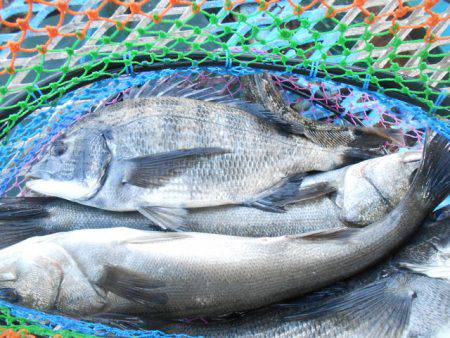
[125, 321]
[154, 170]
[290, 192]
[132, 286]
[165, 217]
[441, 271]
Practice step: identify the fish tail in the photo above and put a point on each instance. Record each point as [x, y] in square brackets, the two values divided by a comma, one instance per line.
[23, 207]
[12, 232]
[431, 183]
[19, 218]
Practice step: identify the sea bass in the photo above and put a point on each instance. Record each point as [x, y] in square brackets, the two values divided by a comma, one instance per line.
[387, 301]
[159, 155]
[358, 195]
[179, 275]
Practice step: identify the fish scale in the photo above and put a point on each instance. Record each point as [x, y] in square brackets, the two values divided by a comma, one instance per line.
[229, 178]
[20, 217]
[161, 155]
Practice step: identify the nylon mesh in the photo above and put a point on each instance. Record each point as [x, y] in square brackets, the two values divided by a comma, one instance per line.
[373, 63]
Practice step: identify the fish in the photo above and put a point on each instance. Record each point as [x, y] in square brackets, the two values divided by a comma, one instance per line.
[187, 274]
[178, 149]
[355, 195]
[398, 301]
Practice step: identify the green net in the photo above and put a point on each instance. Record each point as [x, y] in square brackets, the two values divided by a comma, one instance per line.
[365, 53]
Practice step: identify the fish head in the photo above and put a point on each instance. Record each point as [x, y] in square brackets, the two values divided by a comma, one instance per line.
[374, 187]
[29, 276]
[73, 167]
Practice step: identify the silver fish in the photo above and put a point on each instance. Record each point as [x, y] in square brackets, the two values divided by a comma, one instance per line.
[387, 301]
[188, 274]
[161, 154]
[360, 194]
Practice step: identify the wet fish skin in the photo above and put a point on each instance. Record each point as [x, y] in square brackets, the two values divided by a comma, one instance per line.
[187, 274]
[428, 315]
[252, 156]
[25, 217]
[429, 310]
[372, 188]
[359, 185]
[379, 183]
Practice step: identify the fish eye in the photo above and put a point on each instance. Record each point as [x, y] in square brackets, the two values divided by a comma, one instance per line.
[58, 148]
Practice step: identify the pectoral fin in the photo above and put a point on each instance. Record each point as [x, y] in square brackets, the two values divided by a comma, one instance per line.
[154, 170]
[164, 217]
[152, 237]
[134, 287]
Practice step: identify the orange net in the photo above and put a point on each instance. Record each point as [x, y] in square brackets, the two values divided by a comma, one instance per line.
[135, 8]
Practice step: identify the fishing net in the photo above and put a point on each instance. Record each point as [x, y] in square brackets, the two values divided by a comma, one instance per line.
[371, 63]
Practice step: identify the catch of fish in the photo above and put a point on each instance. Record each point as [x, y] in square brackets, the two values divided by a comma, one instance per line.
[184, 203]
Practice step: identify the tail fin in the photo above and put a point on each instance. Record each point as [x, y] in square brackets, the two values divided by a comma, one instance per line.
[19, 218]
[23, 207]
[12, 232]
[432, 181]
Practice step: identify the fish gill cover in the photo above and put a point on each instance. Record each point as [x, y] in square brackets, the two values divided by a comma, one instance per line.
[371, 63]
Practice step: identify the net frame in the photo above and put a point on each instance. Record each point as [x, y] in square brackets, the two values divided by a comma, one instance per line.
[177, 30]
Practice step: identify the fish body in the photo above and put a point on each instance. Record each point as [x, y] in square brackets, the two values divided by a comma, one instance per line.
[50, 215]
[257, 155]
[161, 154]
[334, 311]
[362, 194]
[187, 274]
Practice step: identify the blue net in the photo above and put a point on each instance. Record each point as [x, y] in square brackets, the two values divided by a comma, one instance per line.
[317, 99]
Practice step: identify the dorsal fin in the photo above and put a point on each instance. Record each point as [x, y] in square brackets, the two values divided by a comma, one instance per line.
[180, 87]
[261, 89]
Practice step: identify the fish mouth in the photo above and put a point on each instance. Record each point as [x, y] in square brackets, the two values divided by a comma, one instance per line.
[35, 174]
